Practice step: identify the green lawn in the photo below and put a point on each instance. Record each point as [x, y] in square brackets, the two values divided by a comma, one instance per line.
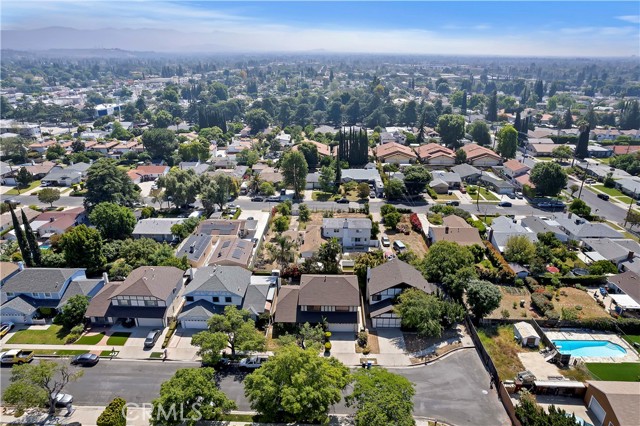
[625, 199]
[14, 191]
[631, 339]
[118, 339]
[610, 191]
[324, 196]
[89, 340]
[484, 194]
[155, 355]
[54, 335]
[617, 372]
[60, 352]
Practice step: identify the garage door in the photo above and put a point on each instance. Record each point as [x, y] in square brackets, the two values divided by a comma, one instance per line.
[342, 327]
[197, 324]
[150, 322]
[386, 322]
[597, 409]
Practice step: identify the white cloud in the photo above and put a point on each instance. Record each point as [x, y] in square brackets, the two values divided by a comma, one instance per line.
[634, 19]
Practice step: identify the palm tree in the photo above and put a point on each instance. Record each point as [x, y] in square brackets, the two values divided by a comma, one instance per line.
[282, 251]
[254, 184]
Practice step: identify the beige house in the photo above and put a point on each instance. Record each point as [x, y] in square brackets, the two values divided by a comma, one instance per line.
[395, 153]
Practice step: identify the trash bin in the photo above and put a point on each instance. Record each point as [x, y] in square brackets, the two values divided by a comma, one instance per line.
[368, 365]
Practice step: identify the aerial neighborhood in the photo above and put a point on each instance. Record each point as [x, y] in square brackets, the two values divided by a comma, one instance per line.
[340, 220]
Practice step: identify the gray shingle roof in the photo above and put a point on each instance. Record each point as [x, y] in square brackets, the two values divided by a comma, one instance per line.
[584, 229]
[23, 304]
[200, 244]
[84, 287]
[465, 170]
[396, 272]
[200, 310]
[329, 290]
[158, 226]
[233, 279]
[256, 298]
[351, 223]
[39, 280]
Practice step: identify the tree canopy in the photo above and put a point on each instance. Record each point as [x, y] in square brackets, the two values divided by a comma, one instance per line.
[445, 258]
[519, 249]
[82, 248]
[426, 313]
[49, 195]
[548, 177]
[451, 129]
[160, 143]
[416, 179]
[295, 169]
[108, 183]
[113, 221]
[483, 297]
[72, 312]
[239, 329]
[507, 141]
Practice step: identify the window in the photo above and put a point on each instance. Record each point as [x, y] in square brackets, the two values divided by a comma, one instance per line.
[123, 302]
[335, 231]
[342, 309]
[376, 297]
[314, 308]
[10, 294]
[189, 298]
[150, 303]
[227, 300]
[47, 295]
[357, 240]
[216, 299]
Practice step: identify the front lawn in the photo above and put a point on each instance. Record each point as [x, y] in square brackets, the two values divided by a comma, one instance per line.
[485, 194]
[60, 352]
[501, 345]
[631, 339]
[54, 335]
[118, 338]
[610, 191]
[324, 196]
[616, 372]
[14, 191]
[91, 339]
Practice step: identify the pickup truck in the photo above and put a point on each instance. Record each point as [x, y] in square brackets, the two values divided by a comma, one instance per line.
[16, 356]
[252, 362]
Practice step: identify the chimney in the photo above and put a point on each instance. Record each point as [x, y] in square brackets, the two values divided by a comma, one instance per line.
[105, 277]
[630, 255]
[446, 229]
[51, 219]
[346, 223]
[21, 266]
[569, 215]
[490, 234]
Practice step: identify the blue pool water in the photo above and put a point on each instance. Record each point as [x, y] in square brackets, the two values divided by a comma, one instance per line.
[589, 348]
[45, 246]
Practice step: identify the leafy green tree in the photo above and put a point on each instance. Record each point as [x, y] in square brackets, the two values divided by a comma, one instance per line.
[580, 208]
[455, 284]
[113, 221]
[72, 313]
[601, 267]
[54, 152]
[304, 214]
[519, 249]
[108, 183]
[381, 398]
[310, 152]
[548, 177]
[326, 179]
[461, 156]
[531, 414]
[120, 132]
[25, 250]
[630, 115]
[184, 229]
[162, 120]
[295, 169]
[159, 143]
[445, 258]
[114, 414]
[82, 247]
[394, 189]
[215, 191]
[329, 254]
[36, 385]
[416, 179]
[296, 385]
[267, 188]
[426, 313]
[479, 132]
[239, 329]
[507, 142]
[633, 218]
[49, 195]
[492, 107]
[281, 224]
[194, 394]
[367, 260]
[562, 152]
[180, 186]
[210, 346]
[196, 150]
[23, 178]
[248, 157]
[363, 190]
[573, 188]
[483, 297]
[258, 119]
[391, 220]
[451, 129]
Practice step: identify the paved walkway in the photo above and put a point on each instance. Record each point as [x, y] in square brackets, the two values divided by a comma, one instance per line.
[124, 352]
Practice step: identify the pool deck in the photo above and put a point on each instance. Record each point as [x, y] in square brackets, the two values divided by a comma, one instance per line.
[582, 334]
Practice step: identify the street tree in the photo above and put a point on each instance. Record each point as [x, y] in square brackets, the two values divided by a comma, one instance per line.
[108, 183]
[580, 208]
[507, 142]
[416, 179]
[239, 329]
[159, 143]
[296, 385]
[633, 217]
[267, 189]
[215, 191]
[82, 248]
[574, 188]
[483, 297]
[519, 249]
[36, 385]
[363, 190]
[381, 398]
[49, 195]
[114, 222]
[72, 312]
[445, 258]
[23, 178]
[548, 177]
[394, 189]
[562, 152]
[426, 313]
[210, 346]
[180, 186]
[295, 169]
[189, 397]
[451, 129]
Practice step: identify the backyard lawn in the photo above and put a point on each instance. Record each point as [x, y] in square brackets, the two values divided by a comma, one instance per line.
[631, 339]
[118, 338]
[91, 339]
[31, 186]
[501, 345]
[54, 335]
[617, 372]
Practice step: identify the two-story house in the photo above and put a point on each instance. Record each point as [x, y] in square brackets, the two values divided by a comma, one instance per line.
[148, 296]
[353, 233]
[384, 283]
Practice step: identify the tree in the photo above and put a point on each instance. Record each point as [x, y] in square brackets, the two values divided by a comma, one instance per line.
[114, 414]
[281, 224]
[445, 258]
[282, 251]
[257, 119]
[162, 120]
[23, 178]
[582, 147]
[196, 150]
[381, 398]
[193, 395]
[216, 191]
[180, 186]
[329, 254]
[72, 313]
[601, 267]
[567, 119]
[394, 189]
[574, 188]
[451, 129]
[239, 329]
[295, 169]
[49, 195]
[36, 385]
[531, 414]
[549, 178]
[391, 220]
[310, 152]
[296, 385]
[483, 297]
[507, 142]
[22, 241]
[580, 208]
[363, 190]
[633, 218]
[479, 132]
[630, 115]
[461, 156]
[248, 157]
[326, 179]
[562, 152]
[54, 152]
[159, 143]
[304, 215]
[456, 283]
[120, 132]
[108, 183]
[82, 248]
[367, 260]
[34, 248]
[113, 221]
[492, 107]
[267, 188]
[210, 346]
[519, 249]
[416, 179]
[426, 313]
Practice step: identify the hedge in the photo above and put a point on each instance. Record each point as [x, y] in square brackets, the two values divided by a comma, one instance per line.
[567, 281]
[114, 414]
[505, 273]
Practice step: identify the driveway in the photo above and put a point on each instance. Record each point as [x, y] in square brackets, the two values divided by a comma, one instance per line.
[182, 338]
[343, 347]
[392, 348]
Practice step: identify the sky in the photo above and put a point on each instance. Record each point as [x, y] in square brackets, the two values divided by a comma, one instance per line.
[542, 28]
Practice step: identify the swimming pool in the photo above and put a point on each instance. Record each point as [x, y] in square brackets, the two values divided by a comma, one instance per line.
[589, 348]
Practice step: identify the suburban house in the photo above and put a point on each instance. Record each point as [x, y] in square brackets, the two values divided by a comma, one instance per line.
[542, 147]
[435, 154]
[616, 251]
[454, 229]
[7, 270]
[467, 172]
[452, 179]
[54, 222]
[260, 294]
[6, 222]
[232, 251]
[311, 240]
[66, 176]
[439, 186]
[37, 170]
[384, 283]
[629, 186]
[148, 296]
[578, 228]
[197, 167]
[613, 403]
[395, 153]
[394, 136]
[197, 248]
[151, 172]
[601, 171]
[624, 290]
[599, 151]
[229, 228]
[370, 176]
[513, 168]
[324, 150]
[32, 289]
[105, 147]
[479, 156]
[334, 298]
[543, 225]
[158, 229]
[496, 184]
[353, 233]
[502, 228]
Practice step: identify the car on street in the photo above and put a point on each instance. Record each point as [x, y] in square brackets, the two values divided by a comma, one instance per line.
[62, 399]
[274, 199]
[453, 203]
[342, 201]
[603, 197]
[386, 242]
[519, 195]
[505, 204]
[16, 356]
[257, 198]
[590, 181]
[152, 338]
[5, 327]
[87, 359]
[252, 362]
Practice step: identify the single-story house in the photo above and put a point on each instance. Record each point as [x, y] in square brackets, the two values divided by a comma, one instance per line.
[578, 228]
[197, 248]
[6, 222]
[526, 334]
[232, 251]
[481, 156]
[616, 250]
[543, 225]
[467, 172]
[613, 403]
[439, 186]
[311, 241]
[313, 181]
[54, 222]
[151, 172]
[601, 171]
[435, 154]
[395, 153]
[454, 229]
[599, 151]
[324, 150]
[497, 185]
[629, 186]
[502, 228]
[158, 229]
[514, 168]
[67, 176]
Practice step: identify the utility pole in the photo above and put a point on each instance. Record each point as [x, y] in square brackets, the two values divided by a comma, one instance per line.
[626, 219]
[584, 176]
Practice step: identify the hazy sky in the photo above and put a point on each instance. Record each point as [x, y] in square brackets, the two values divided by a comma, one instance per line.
[503, 28]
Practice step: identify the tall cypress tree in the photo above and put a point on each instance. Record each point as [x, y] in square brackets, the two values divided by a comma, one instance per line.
[31, 241]
[338, 170]
[22, 242]
[582, 148]
[492, 108]
[539, 89]
[463, 108]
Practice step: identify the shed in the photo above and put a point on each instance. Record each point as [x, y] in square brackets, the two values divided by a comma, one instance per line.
[526, 334]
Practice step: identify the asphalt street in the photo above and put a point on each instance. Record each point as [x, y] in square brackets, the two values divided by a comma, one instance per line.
[454, 389]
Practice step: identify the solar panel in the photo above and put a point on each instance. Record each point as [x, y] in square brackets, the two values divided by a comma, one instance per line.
[237, 254]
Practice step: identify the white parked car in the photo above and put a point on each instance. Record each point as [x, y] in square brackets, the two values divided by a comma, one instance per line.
[252, 362]
[385, 241]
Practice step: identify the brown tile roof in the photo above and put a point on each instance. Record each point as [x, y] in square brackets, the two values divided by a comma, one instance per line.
[329, 290]
[454, 221]
[394, 148]
[515, 166]
[433, 149]
[625, 149]
[524, 180]
[323, 149]
[629, 282]
[475, 151]
[393, 273]
[133, 175]
[157, 281]
[286, 309]
[623, 398]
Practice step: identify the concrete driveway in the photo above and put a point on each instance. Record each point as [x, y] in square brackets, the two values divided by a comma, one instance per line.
[182, 338]
[343, 347]
[392, 348]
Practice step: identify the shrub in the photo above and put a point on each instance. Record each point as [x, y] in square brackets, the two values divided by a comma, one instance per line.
[327, 346]
[569, 314]
[541, 303]
[505, 273]
[114, 414]
[366, 350]
[363, 339]
[578, 307]
[415, 222]
[75, 333]
[505, 313]
[515, 305]
[552, 314]
[327, 335]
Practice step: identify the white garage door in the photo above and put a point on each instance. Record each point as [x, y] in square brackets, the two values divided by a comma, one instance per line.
[597, 409]
[342, 327]
[197, 324]
[386, 322]
[150, 322]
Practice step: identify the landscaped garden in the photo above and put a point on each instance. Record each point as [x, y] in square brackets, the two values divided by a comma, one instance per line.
[617, 372]
[485, 194]
[118, 338]
[89, 339]
[53, 335]
[15, 191]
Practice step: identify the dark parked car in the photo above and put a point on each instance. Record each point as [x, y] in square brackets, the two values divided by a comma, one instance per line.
[152, 338]
[258, 198]
[512, 196]
[505, 204]
[453, 203]
[342, 201]
[604, 197]
[85, 359]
